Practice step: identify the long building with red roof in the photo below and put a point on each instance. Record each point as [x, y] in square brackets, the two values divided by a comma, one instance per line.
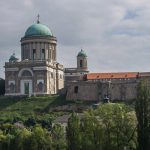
[110, 76]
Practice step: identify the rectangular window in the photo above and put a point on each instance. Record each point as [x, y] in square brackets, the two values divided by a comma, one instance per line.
[34, 54]
[43, 54]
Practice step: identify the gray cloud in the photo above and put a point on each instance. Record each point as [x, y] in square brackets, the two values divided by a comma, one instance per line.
[115, 34]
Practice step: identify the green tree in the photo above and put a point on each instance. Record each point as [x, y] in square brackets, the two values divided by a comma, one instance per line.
[23, 139]
[143, 115]
[7, 141]
[2, 140]
[119, 124]
[6, 127]
[73, 133]
[58, 137]
[40, 139]
[91, 132]
[110, 127]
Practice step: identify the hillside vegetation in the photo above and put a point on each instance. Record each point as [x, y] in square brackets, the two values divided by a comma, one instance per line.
[27, 124]
[21, 108]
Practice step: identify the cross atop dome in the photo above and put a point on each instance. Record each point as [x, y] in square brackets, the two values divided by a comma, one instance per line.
[38, 20]
[82, 53]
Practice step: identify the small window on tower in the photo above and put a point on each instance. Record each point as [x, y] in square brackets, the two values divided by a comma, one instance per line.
[81, 63]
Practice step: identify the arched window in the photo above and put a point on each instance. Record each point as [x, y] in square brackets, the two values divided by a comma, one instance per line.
[26, 73]
[81, 63]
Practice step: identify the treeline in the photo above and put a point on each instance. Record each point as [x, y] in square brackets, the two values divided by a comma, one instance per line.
[14, 137]
[110, 127]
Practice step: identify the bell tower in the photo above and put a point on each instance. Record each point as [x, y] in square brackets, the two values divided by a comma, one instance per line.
[82, 62]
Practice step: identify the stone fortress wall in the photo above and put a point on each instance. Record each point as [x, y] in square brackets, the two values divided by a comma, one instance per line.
[96, 91]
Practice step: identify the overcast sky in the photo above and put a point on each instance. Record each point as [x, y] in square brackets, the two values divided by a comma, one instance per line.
[114, 33]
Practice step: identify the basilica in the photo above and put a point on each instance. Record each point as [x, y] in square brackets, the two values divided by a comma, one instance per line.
[38, 72]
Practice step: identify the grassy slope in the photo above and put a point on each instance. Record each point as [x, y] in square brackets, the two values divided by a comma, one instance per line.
[11, 107]
[23, 108]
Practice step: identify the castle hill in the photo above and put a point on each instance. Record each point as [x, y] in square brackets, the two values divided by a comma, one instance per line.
[39, 73]
[48, 104]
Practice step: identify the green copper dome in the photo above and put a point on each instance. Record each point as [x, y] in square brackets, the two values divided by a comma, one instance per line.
[38, 30]
[81, 54]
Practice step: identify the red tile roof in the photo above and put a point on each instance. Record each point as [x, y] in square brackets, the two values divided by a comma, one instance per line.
[94, 76]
